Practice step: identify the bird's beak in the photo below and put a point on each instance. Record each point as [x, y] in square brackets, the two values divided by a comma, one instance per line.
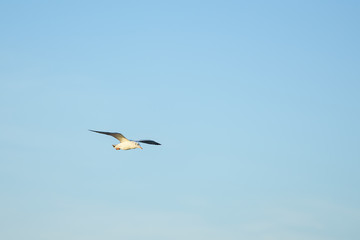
[140, 147]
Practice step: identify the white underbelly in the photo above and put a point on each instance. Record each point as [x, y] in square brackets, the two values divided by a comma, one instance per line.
[126, 146]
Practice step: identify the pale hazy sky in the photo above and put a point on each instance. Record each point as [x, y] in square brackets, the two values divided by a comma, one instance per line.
[256, 104]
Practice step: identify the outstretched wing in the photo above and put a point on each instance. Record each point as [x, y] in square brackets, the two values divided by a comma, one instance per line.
[116, 135]
[149, 142]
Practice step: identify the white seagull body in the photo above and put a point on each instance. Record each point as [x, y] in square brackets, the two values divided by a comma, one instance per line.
[126, 144]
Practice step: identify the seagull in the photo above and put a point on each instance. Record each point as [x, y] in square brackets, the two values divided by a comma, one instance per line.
[126, 144]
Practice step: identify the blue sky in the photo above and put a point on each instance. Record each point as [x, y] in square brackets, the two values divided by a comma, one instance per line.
[256, 105]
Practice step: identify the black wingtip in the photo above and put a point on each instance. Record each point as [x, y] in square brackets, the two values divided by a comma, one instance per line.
[93, 131]
[149, 142]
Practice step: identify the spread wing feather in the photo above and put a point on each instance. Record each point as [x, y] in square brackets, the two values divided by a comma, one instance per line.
[149, 142]
[116, 135]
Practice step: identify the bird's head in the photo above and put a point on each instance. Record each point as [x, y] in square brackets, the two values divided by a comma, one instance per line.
[138, 145]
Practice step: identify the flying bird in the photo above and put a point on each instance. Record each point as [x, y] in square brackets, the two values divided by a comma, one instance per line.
[126, 144]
